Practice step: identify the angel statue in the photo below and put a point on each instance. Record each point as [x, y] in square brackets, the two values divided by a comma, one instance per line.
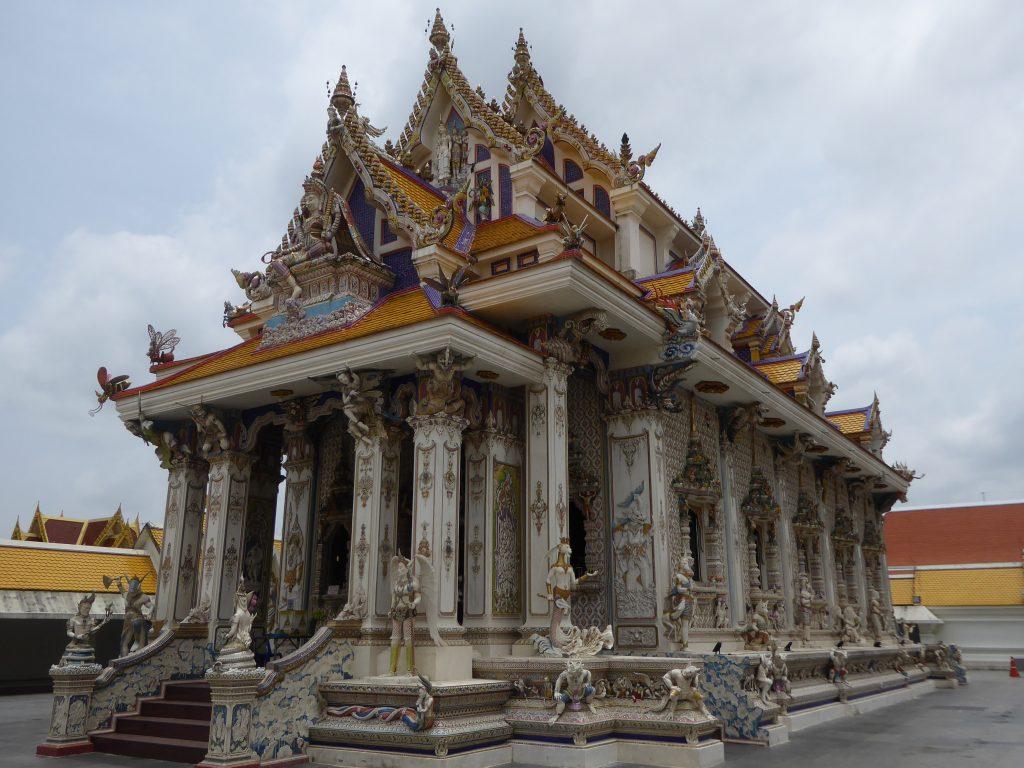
[412, 583]
[239, 636]
[677, 623]
[161, 345]
[561, 583]
[81, 628]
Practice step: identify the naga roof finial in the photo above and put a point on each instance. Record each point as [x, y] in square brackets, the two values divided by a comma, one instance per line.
[342, 98]
[439, 36]
[522, 50]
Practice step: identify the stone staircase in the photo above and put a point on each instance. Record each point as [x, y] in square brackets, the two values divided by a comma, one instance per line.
[174, 726]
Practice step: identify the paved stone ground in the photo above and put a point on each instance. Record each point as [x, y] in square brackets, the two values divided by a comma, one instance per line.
[980, 726]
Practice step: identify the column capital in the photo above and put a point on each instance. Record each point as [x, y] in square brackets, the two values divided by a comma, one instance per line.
[441, 423]
[556, 371]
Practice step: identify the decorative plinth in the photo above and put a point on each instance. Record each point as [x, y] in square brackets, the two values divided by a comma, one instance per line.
[73, 686]
[468, 727]
[232, 695]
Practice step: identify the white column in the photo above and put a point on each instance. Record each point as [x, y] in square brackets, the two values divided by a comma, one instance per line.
[226, 500]
[183, 531]
[547, 485]
[296, 529]
[374, 510]
[735, 538]
[437, 446]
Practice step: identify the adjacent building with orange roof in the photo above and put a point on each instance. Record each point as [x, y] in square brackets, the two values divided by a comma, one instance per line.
[957, 571]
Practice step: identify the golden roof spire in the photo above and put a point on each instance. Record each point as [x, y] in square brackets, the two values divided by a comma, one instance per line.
[522, 50]
[439, 36]
[342, 98]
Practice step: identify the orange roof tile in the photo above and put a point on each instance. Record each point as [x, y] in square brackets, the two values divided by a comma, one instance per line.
[781, 371]
[395, 311]
[511, 229]
[850, 422]
[70, 570]
[962, 586]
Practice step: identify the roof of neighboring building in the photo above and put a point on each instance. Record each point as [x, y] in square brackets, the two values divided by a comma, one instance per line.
[961, 586]
[112, 530]
[972, 533]
[26, 565]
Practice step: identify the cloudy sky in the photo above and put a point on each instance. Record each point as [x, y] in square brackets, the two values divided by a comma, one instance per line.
[868, 156]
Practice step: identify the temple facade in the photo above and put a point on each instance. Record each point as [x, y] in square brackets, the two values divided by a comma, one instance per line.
[488, 346]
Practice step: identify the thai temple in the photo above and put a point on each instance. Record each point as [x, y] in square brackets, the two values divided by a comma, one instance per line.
[558, 488]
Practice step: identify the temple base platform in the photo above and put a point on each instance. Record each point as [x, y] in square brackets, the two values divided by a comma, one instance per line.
[469, 728]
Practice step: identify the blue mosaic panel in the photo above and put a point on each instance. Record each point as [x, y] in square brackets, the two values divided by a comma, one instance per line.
[722, 685]
[572, 172]
[548, 153]
[365, 215]
[386, 235]
[602, 202]
[504, 191]
[400, 262]
[482, 153]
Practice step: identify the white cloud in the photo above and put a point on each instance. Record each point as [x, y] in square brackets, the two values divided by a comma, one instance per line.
[856, 155]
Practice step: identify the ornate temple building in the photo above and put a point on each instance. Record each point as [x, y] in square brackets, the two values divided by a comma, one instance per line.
[488, 366]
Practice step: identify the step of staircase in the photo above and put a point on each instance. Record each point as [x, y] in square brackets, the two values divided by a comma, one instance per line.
[151, 747]
[174, 726]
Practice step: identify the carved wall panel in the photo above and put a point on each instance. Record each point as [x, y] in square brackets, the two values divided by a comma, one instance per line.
[632, 522]
[508, 521]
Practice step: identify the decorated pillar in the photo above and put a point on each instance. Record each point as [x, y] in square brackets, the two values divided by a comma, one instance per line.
[183, 532]
[297, 524]
[437, 426]
[232, 699]
[547, 486]
[374, 513]
[73, 686]
[226, 502]
[258, 528]
[493, 560]
[641, 574]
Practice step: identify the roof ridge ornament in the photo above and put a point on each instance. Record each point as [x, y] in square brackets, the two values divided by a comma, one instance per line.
[439, 35]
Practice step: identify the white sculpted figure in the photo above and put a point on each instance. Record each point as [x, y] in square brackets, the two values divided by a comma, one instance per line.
[837, 668]
[362, 400]
[442, 163]
[780, 673]
[411, 587]
[721, 612]
[81, 628]
[239, 636]
[631, 536]
[135, 628]
[682, 688]
[804, 608]
[576, 680]
[561, 583]
[763, 679]
[677, 623]
[849, 624]
[757, 631]
[876, 622]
